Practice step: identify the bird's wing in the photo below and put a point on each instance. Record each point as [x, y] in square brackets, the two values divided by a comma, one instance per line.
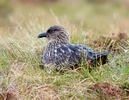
[72, 54]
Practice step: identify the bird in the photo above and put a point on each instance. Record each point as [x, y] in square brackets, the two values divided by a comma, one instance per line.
[61, 54]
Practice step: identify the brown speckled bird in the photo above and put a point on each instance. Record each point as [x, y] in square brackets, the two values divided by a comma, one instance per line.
[60, 53]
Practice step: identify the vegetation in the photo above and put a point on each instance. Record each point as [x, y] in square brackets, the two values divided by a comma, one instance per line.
[100, 25]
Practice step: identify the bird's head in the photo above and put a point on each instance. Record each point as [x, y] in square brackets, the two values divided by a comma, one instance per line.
[56, 33]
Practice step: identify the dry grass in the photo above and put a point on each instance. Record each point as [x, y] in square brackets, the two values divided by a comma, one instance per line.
[100, 26]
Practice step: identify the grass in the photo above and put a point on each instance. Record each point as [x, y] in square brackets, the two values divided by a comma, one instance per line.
[89, 24]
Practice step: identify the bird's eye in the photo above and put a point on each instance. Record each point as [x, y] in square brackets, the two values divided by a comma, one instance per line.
[51, 31]
[55, 30]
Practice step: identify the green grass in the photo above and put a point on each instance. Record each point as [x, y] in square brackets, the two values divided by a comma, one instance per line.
[90, 24]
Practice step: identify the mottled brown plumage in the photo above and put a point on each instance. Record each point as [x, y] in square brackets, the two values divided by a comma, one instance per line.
[60, 53]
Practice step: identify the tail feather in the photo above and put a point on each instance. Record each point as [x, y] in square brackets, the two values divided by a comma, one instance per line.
[100, 58]
[98, 55]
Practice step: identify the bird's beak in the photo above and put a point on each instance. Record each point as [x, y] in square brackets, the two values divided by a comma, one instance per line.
[42, 35]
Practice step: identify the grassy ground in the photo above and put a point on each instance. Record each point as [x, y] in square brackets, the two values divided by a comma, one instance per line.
[98, 25]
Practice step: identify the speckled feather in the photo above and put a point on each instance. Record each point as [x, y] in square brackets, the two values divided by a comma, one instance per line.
[60, 53]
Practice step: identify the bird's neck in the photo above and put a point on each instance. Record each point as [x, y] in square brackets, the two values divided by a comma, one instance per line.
[55, 44]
